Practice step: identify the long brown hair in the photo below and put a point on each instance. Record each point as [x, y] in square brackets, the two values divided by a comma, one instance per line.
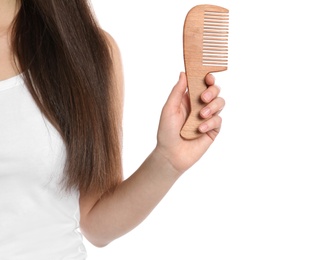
[67, 64]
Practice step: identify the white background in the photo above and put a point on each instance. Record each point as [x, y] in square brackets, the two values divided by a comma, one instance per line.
[262, 190]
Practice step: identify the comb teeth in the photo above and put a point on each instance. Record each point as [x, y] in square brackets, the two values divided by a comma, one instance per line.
[215, 38]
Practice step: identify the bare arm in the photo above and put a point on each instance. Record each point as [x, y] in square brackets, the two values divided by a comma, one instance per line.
[117, 213]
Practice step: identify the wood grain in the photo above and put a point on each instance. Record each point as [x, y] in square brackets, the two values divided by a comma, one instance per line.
[205, 49]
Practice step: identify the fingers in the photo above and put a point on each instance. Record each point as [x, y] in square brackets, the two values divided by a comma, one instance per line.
[213, 124]
[211, 97]
[209, 79]
[211, 92]
[210, 112]
[215, 105]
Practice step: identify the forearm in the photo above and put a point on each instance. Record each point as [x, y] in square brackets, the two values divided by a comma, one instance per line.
[119, 212]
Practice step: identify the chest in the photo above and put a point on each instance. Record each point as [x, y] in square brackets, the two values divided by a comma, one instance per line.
[7, 64]
[29, 144]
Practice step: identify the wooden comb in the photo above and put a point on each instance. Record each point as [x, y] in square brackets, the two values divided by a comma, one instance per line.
[205, 46]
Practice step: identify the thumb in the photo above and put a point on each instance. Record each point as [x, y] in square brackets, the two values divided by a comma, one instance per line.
[178, 91]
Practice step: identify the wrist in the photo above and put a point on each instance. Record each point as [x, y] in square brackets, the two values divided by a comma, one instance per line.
[164, 164]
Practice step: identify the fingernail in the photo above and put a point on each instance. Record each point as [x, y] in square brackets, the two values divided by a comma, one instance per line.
[207, 96]
[203, 128]
[205, 112]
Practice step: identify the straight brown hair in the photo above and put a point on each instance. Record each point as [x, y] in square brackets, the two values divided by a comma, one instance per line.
[67, 64]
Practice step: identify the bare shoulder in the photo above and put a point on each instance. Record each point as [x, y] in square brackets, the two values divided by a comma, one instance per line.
[116, 59]
[115, 50]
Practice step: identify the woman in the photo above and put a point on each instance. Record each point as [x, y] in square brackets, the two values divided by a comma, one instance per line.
[61, 88]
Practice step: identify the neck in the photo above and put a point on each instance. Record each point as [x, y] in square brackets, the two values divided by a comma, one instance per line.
[8, 10]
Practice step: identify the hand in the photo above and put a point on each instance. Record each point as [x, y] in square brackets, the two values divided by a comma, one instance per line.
[181, 153]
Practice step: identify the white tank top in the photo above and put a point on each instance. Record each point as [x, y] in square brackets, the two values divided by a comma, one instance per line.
[38, 221]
